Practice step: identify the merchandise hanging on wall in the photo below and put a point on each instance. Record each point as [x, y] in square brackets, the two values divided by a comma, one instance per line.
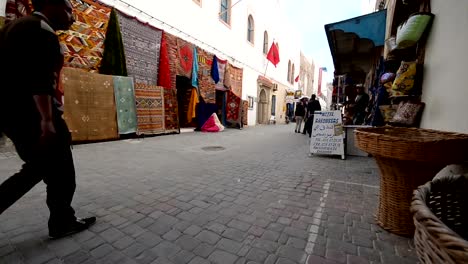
[113, 60]
[171, 117]
[206, 84]
[235, 75]
[164, 73]
[83, 44]
[184, 58]
[218, 70]
[125, 104]
[150, 109]
[15, 9]
[233, 109]
[245, 115]
[142, 44]
[90, 110]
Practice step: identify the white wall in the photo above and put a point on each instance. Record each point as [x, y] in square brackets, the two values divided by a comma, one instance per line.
[202, 22]
[445, 89]
[2, 7]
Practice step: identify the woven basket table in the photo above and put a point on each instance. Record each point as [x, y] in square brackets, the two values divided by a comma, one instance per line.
[407, 158]
[440, 214]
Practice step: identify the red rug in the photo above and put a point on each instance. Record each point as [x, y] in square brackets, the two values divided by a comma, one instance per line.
[233, 108]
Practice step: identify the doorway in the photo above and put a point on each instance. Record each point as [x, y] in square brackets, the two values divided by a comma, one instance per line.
[184, 92]
[263, 108]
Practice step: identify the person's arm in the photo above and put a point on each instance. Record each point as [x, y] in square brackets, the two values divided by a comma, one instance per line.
[44, 106]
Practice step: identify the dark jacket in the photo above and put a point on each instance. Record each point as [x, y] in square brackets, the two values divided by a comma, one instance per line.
[300, 110]
[314, 105]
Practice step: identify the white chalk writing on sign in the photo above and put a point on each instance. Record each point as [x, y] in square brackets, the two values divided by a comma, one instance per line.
[327, 133]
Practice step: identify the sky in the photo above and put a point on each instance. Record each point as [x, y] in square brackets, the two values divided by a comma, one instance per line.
[309, 18]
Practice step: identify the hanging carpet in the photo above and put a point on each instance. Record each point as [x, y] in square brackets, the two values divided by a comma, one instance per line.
[218, 73]
[235, 76]
[206, 84]
[171, 117]
[113, 60]
[233, 108]
[90, 110]
[142, 44]
[125, 104]
[184, 58]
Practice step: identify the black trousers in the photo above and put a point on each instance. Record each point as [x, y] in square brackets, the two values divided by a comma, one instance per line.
[52, 164]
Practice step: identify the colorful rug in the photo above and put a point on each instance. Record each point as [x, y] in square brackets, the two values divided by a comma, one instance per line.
[83, 44]
[184, 58]
[204, 111]
[171, 42]
[164, 74]
[125, 104]
[212, 125]
[113, 60]
[245, 113]
[221, 70]
[235, 75]
[142, 44]
[171, 117]
[233, 108]
[150, 109]
[206, 84]
[17, 8]
[90, 110]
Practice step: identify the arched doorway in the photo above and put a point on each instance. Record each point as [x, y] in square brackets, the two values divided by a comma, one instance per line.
[263, 108]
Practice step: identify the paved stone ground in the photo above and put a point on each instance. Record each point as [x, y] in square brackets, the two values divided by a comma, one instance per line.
[261, 199]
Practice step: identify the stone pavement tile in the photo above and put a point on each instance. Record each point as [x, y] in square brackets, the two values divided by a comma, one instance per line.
[270, 235]
[203, 250]
[319, 260]
[229, 245]
[187, 242]
[182, 257]
[357, 260]
[111, 235]
[166, 249]
[192, 230]
[266, 245]
[296, 232]
[338, 245]
[336, 255]
[162, 260]
[234, 234]
[216, 227]
[369, 254]
[292, 254]
[276, 227]
[123, 242]
[172, 235]
[271, 259]
[222, 257]
[208, 237]
[257, 255]
[256, 231]
[63, 247]
[149, 239]
[243, 226]
[285, 261]
[77, 257]
[199, 260]
[102, 251]
[296, 243]
[134, 249]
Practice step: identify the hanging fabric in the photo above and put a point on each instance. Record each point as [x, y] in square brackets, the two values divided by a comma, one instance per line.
[113, 60]
[192, 108]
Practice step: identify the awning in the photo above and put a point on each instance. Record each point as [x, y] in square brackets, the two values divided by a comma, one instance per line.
[352, 42]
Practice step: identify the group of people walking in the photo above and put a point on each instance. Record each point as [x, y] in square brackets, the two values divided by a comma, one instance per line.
[304, 113]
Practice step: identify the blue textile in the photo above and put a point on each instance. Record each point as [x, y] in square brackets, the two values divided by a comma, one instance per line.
[215, 70]
[195, 69]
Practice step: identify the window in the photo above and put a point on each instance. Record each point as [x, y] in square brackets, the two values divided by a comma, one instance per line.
[289, 71]
[265, 43]
[250, 29]
[273, 105]
[225, 11]
[291, 79]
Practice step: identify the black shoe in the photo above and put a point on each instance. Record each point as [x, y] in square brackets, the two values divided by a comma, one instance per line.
[295, 131]
[73, 228]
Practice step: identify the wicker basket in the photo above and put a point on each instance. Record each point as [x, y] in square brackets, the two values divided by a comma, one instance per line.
[440, 211]
[407, 158]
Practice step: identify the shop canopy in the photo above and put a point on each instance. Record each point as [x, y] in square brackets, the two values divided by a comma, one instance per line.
[352, 42]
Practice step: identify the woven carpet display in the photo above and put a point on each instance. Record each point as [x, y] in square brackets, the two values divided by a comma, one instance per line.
[17, 8]
[233, 108]
[171, 116]
[125, 103]
[245, 116]
[206, 84]
[184, 58]
[222, 64]
[113, 59]
[171, 42]
[164, 73]
[90, 110]
[142, 44]
[235, 76]
[83, 44]
[150, 109]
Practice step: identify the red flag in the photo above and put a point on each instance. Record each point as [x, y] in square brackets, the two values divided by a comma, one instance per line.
[273, 54]
[297, 79]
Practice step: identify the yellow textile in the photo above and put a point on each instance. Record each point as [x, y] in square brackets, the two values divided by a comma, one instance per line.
[404, 81]
[191, 113]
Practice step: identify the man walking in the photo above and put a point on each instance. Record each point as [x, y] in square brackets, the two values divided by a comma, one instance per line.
[312, 107]
[300, 113]
[31, 113]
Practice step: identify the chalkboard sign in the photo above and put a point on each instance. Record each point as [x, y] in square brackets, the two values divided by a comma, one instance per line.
[327, 134]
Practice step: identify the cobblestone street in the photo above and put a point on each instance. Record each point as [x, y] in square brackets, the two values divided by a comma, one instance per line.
[241, 196]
